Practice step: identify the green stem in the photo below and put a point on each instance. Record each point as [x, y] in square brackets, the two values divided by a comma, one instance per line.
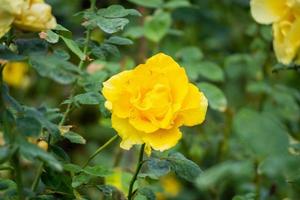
[37, 177]
[15, 158]
[138, 168]
[18, 175]
[99, 150]
[80, 66]
[257, 180]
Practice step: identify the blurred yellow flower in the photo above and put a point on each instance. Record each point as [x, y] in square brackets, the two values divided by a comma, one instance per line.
[151, 102]
[171, 187]
[285, 17]
[14, 74]
[119, 179]
[30, 15]
[43, 145]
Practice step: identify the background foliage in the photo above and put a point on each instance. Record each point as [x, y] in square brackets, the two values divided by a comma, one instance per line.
[248, 147]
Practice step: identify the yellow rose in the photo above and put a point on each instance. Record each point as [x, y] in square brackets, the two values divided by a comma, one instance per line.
[284, 15]
[14, 74]
[8, 10]
[30, 15]
[35, 16]
[171, 188]
[151, 102]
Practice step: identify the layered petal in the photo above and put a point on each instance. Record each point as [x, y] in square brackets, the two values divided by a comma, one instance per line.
[141, 123]
[8, 10]
[176, 75]
[194, 107]
[286, 40]
[115, 91]
[35, 16]
[163, 139]
[5, 22]
[268, 11]
[130, 136]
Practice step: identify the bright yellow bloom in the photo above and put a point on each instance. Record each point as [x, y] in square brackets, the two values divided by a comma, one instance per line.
[30, 15]
[14, 73]
[8, 10]
[151, 102]
[285, 17]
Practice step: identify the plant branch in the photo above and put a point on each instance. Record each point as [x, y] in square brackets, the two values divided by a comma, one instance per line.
[80, 66]
[37, 178]
[99, 150]
[18, 174]
[293, 67]
[138, 168]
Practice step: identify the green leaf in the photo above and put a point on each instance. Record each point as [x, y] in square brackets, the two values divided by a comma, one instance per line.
[80, 179]
[134, 32]
[157, 167]
[33, 152]
[254, 129]
[90, 98]
[183, 167]
[216, 175]
[61, 28]
[210, 70]
[110, 19]
[148, 3]
[249, 196]
[93, 82]
[97, 170]
[29, 126]
[7, 54]
[107, 190]
[119, 40]
[157, 26]
[6, 184]
[9, 100]
[111, 25]
[51, 37]
[60, 53]
[6, 152]
[190, 54]
[56, 181]
[55, 68]
[32, 46]
[215, 96]
[72, 45]
[116, 11]
[74, 137]
[40, 116]
[177, 4]
[147, 193]
[72, 168]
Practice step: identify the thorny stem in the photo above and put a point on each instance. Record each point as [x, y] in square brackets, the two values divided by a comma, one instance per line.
[80, 66]
[69, 105]
[37, 178]
[138, 168]
[99, 150]
[18, 174]
[15, 158]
